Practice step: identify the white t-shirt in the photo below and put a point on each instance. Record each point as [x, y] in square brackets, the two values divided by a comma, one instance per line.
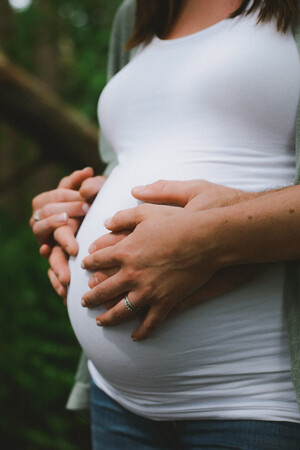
[218, 105]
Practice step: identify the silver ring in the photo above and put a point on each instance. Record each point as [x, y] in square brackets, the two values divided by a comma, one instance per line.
[36, 216]
[129, 305]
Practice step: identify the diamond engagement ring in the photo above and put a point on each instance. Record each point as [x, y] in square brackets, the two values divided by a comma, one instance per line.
[129, 305]
[36, 216]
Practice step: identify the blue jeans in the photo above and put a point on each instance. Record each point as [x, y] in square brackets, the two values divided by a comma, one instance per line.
[115, 428]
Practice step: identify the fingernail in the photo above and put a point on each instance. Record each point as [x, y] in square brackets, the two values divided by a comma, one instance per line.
[62, 217]
[85, 207]
[92, 248]
[99, 323]
[138, 189]
[82, 265]
[83, 303]
[107, 221]
[134, 338]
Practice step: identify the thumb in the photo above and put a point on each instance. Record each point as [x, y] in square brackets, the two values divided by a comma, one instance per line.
[177, 193]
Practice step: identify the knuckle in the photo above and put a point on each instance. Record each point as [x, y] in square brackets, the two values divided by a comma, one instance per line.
[64, 277]
[99, 180]
[197, 186]
[121, 254]
[58, 235]
[118, 313]
[155, 321]
[85, 187]
[146, 292]
[60, 195]
[64, 181]
[61, 291]
[150, 326]
[117, 217]
[62, 234]
[45, 211]
[52, 278]
[160, 185]
[141, 210]
[36, 202]
[87, 183]
[131, 274]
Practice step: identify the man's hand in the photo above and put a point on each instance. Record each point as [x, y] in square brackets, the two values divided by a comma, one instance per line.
[193, 195]
[196, 195]
[166, 258]
[262, 229]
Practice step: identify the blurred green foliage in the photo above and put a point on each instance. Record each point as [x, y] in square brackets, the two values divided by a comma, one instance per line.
[39, 350]
[77, 31]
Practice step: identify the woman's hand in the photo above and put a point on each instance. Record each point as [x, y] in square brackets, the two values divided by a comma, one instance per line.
[57, 208]
[60, 213]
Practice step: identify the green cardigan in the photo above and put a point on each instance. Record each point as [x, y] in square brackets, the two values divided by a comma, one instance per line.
[122, 28]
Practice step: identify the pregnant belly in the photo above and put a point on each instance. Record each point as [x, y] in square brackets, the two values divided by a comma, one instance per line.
[201, 341]
[111, 349]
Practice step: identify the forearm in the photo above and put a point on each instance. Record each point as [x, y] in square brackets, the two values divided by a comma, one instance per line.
[264, 229]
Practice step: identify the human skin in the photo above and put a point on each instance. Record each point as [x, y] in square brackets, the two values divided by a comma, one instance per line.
[61, 211]
[186, 249]
[197, 194]
[149, 267]
[194, 16]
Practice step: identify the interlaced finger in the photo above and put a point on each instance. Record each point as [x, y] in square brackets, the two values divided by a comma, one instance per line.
[108, 240]
[59, 195]
[59, 288]
[65, 237]
[153, 319]
[91, 186]
[43, 229]
[76, 178]
[120, 313]
[109, 289]
[58, 261]
[100, 276]
[73, 209]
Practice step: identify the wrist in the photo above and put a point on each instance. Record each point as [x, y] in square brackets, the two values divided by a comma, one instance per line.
[210, 240]
[219, 230]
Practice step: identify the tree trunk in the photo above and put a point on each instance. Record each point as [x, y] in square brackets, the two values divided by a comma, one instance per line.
[29, 105]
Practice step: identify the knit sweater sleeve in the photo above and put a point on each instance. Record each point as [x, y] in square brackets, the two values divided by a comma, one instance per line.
[117, 58]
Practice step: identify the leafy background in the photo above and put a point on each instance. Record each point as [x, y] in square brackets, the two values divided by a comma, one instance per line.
[65, 44]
